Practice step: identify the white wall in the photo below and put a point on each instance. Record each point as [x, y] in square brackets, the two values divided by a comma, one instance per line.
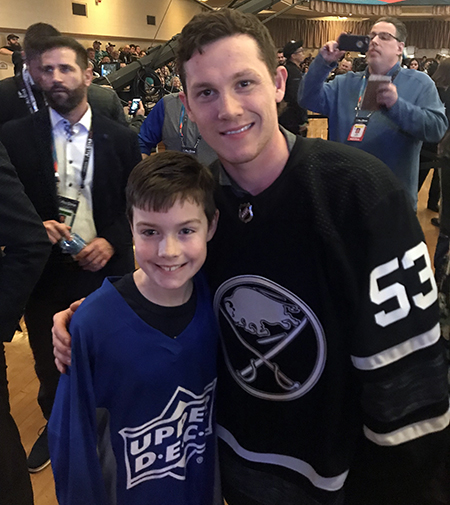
[117, 21]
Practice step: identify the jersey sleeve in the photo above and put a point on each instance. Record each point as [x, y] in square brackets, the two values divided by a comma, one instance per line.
[398, 357]
[150, 133]
[72, 432]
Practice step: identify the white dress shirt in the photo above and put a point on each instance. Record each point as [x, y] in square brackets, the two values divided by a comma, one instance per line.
[70, 155]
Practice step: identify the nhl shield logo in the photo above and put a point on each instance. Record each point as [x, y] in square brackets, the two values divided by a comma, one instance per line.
[273, 343]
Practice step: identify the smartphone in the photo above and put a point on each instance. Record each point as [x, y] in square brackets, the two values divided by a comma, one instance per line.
[134, 106]
[357, 43]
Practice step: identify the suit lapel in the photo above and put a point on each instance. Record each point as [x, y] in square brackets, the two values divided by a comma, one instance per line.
[44, 145]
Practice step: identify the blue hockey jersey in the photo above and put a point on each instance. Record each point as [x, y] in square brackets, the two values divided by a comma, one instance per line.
[133, 421]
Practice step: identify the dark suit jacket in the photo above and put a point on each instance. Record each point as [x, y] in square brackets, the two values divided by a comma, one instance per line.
[293, 115]
[26, 248]
[116, 151]
[102, 100]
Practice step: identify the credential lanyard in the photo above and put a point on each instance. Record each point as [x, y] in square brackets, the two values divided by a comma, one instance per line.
[27, 93]
[184, 148]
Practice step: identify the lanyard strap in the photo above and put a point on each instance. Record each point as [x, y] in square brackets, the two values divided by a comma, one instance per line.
[183, 121]
[27, 93]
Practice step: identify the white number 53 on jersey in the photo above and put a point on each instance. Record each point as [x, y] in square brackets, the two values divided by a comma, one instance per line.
[398, 291]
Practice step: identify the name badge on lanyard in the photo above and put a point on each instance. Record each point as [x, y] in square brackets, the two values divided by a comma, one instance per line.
[358, 129]
[67, 209]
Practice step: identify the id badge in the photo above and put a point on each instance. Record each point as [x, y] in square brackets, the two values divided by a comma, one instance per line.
[189, 150]
[67, 210]
[358, 129]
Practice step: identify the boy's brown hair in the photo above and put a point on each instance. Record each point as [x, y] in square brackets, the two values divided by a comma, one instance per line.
[158, 181]
[209, 27]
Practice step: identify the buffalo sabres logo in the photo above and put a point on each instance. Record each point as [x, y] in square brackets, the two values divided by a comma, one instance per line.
[274, 345]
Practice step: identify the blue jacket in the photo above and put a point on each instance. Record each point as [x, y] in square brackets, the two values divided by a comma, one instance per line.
[394, 136]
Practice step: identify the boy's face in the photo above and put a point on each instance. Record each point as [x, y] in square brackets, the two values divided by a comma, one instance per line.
[232, 97]
[170, 249]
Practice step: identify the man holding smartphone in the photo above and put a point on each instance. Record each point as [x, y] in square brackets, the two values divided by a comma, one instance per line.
[410, 111]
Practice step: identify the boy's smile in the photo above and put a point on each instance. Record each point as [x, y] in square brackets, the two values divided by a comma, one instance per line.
[170, 249]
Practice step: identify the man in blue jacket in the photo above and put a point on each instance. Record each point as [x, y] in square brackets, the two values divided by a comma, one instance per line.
[410, 111]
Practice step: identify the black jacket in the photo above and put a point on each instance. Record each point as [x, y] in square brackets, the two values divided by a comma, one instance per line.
[26, 248]
[116, 151]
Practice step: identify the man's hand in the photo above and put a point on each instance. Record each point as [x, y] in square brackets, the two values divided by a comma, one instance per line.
[330, 52]
[141, 110]
[387, 94]
[95, 255]
[56, 231]
[61, 337]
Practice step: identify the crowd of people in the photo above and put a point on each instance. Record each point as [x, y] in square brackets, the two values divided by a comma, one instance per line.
[279, 342]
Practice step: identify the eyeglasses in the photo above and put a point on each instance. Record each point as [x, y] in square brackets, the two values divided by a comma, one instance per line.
[383, 36]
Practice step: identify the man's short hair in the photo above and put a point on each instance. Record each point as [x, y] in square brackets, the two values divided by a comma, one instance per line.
[209, 27]
[35, 36]
[70, 43]
[400, 29]
[158, 181]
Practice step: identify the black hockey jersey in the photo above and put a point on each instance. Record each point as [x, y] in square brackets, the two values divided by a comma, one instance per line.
[328, 312]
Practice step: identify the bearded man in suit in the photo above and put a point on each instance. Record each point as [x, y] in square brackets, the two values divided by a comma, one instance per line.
[74, 164]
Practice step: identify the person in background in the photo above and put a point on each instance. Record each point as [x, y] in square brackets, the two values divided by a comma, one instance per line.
[413, 64]
[280, 57]
[406, 110]
[293, 117]
[21, 95]
[24, 250]
[74, 170]
[13, 49]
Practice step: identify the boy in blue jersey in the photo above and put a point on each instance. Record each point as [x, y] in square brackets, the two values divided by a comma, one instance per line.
[133, 421]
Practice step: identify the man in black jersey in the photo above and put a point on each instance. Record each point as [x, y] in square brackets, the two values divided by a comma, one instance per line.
[331, 349]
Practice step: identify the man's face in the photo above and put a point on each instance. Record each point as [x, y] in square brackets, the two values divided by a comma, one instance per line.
[14, 41]
[96, 46]
[385, 52]
[298, 56]
[232, 97]
[91, 54]
[345, 65]
[63, 81]
[281, 58]
[126, 49]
